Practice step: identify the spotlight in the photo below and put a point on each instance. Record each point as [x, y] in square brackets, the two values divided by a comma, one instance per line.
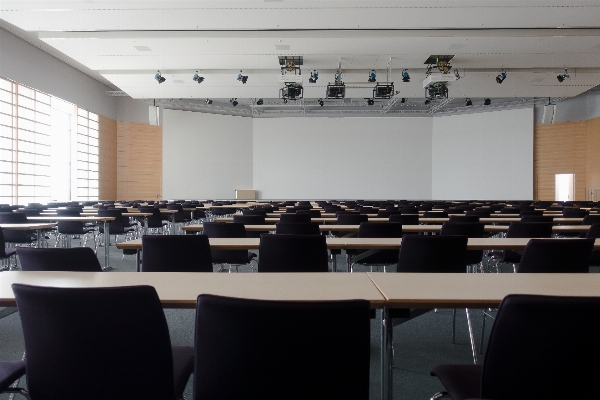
[159, 77]
[487, 102]
[405, 76]
[403, 100]
[233, 101]
[456, 74]
[372, 76]
[501, 76]
[208, 101]
[314, 75]
[370, 102]
[242, 78]
[468, 102]
[320, 101]
[427, 102]
[564, 76]
[198, 78]
[259, 102]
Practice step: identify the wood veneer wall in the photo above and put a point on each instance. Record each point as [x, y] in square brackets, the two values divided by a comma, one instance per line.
[139, 161]
[566, 148]
[107, 158]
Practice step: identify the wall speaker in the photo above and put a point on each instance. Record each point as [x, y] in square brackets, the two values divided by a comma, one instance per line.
[154, 115]
[548, 117]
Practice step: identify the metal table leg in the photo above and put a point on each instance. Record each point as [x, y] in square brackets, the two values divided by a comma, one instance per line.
[145, 231]
[173, 224]
[386, 355]
[138, 264]
[107, 266]
[39, 238]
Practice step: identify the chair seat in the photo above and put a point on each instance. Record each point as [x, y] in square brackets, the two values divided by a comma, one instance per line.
[9, 252]
[461, 381]
[10, 371]
[183, 365]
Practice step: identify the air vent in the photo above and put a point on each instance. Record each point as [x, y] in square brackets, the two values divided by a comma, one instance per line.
[456, 46]
[280, 47]
[178, 81]
[143, 48]
[536, 80]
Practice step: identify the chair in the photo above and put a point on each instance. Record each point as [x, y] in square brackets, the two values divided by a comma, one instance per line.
[470, 230]
[14, 236]
[293, 217]
[61, 259]
[521, 230]
[378, 230]
[250, 220]
[405, 219]
[556, 255]
[155, 221]
[574, 213]
[259, 337]
[297, 228]
[463, 218]
[11, 371]
[594, 233]
[176, 253]
[537, 218]
[293, 253]
[116, 227]
[69, 356]
[312, 213]
[228, 257]
[558, 336]
[262, 213]
[6, 254]
[437, 214]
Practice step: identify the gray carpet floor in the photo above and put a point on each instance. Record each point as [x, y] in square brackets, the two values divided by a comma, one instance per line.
[419, 344]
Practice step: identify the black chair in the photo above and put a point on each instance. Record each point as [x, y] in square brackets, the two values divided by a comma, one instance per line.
[66, 331]
[14, 236]
[557, 255]
[293, 217]
[312, 213]
[262, 213]
[436, 214]
[293, 253]
[471, 230]
[176, 253]
[6, 253]
[297, 228]
[558, 335]
[537, 218]
[463, 218]
[155, 221]
[405, 219]
[259, 337]
[10, 372]
[117, 226]
[69, 259]
[351, 219]
[250, 220]
[228, 257]
[594, 233]
[520, 230]
[574, 213]
[378, 230]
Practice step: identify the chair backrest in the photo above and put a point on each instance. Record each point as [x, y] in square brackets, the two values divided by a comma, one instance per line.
[327, 342]
[591, 219]
[436, 214]
[510, 210]
[297, 228]
[379, 230]
[176, 253]
[559, 335]
[552, 255]
[66, 331]
[58, 259]
[464, 218]
[574, 213]
[292, 253]
[12, 218]
[293, 217]
[255, 212]
[537, 218]
[2, 245]
[594, 231]
[249, 219]
[468, 229]
[408, 219]
[61, 212]
[529, 230]
[224, 230]
[351, 219]
[117, 225]
[312, 213]
[481, 214]
[438, 253]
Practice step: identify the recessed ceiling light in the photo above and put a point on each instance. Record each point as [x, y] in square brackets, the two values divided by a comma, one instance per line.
[178, 81]
[143, 48]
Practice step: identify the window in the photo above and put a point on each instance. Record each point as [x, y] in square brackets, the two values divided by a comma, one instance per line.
[48, 147]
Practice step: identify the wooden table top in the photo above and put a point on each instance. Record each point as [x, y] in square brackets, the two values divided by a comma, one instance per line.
[181, 289]
[27, 227]
[81, 219]
[229, 244]
[414, 290]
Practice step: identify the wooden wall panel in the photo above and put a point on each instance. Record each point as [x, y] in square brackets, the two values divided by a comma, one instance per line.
[139, 161]
[107, 158]
[593, 149]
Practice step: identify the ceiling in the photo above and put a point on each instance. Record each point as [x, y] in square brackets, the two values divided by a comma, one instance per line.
[126, 42]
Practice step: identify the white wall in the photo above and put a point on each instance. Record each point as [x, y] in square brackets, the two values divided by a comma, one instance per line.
[26, 64]
[483, 156]
[327, 158]
[205, 155]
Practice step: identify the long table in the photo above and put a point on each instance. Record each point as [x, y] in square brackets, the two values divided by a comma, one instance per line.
[38, 227]
[491, 220]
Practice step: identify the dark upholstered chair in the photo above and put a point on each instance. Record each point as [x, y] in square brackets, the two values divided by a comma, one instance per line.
[6, 253]
[176, 253]
[293, 217]
[537, 218]
[464, 218]
[521, 230]
[557, 335]
[297, 228]
[293, 253]
[328, 344]
[10, 371]
[47, 259]
[378, 230]
[14, 236]
[468, 229]
[594, 233]
[100, 343]
[405, 219]
[557, 255]
[228, 257]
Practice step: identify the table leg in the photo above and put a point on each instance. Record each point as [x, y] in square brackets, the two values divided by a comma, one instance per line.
[106, 246]
[39, 238]
[386, 355]
[145, 231]
[333, 263]
[173, 224]
[138, 265]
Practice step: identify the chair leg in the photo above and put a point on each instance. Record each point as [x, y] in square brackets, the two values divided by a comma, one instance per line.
[482, 334]
[439, 395]
[453, 325]
[471, 337]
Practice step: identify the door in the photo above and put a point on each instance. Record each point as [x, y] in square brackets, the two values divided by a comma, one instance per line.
[564, 187]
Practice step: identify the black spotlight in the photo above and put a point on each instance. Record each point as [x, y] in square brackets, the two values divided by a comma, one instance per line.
[320, 101]
[427, 102]
[501, 77]
[487, 102]
[233, 102]
[372, 76]
[198, 78]
[403, 100]
[259, 102]
[159, 77]
[314, 76]
[468, 102]
[242, 78]
[370, 102]
[208, 101]
[405, 76]
[564, 76]
[560, 78]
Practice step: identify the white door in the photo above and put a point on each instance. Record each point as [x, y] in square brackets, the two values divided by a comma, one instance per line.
[564, 187]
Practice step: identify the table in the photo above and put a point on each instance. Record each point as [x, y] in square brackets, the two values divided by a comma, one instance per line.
[414, 290]
[105, 220]
[29, 227]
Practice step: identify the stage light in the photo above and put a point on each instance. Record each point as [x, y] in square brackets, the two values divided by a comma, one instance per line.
[314, 76]
[159, 77]
[320, 101]
[487, 102]
[405, 76]
[242, 78]
[372, 76]
[198, 78]
[427, 101]
[468, 102]
[403, 100]
[564, 76]
[259, 102]
[501, 77]
[208, 101]
[233, 101]
[370, 102]
[456, 74]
